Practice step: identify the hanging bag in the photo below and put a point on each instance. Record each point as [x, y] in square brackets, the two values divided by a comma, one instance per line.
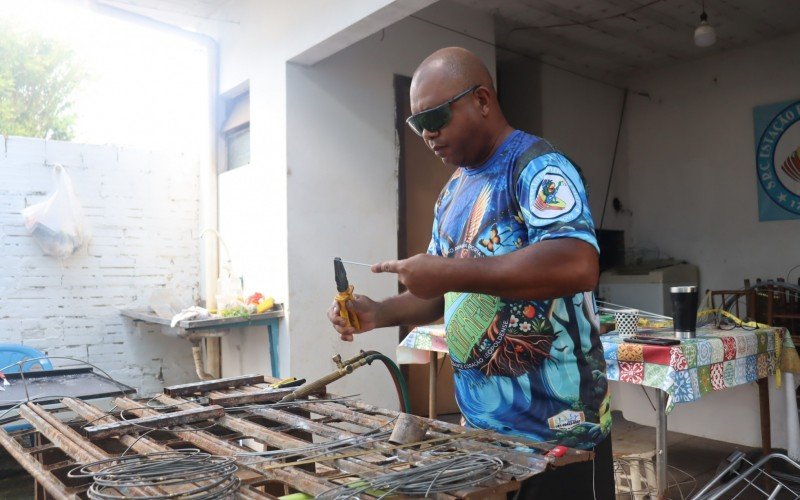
[58, 224]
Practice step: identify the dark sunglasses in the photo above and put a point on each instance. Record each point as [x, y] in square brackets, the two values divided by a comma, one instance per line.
[435, 119]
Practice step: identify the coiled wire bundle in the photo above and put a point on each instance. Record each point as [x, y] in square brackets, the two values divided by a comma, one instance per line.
[459, 472]
[190, 473]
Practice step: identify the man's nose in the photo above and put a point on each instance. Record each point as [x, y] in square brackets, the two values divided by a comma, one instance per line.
[427, 134]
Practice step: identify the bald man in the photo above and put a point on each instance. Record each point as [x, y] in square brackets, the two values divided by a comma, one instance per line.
[511, 265]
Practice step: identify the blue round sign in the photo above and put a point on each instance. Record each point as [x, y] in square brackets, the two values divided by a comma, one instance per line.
[778, 158]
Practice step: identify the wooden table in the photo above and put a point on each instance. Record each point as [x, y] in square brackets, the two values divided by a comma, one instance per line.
[714, 361]
[196, 330]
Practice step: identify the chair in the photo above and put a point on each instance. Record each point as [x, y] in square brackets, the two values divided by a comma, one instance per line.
[12, 353]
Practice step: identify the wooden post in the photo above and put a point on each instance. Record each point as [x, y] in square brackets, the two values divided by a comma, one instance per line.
[432, 378]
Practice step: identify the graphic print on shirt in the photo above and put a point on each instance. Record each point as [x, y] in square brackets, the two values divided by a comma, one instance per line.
[554, 198]
[533, 368]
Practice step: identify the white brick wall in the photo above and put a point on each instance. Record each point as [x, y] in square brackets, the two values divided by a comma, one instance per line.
[143, 210]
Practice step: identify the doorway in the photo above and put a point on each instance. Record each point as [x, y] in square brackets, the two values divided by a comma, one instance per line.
[421, 177]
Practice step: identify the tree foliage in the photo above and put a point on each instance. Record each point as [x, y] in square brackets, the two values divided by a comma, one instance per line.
[38, 78]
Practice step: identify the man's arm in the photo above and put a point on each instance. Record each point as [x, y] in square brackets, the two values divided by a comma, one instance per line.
[400, 310]
[550, 268]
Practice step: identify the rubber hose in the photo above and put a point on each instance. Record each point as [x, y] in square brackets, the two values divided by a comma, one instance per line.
[397, 376]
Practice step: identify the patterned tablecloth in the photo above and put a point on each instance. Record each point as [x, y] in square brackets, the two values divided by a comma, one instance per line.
[714, 361]
[415, 348]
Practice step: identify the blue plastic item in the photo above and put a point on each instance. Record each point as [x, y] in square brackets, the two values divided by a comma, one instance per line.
[11, 353]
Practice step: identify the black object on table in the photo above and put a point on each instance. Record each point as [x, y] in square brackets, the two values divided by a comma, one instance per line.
[51, 386]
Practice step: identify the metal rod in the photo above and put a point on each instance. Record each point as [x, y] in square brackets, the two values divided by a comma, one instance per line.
[356, 263]
[661, 443]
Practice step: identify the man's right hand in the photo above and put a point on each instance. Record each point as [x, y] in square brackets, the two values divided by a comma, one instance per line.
[362, 306]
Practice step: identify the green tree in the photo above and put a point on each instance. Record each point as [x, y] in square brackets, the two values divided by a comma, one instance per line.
[38, 77]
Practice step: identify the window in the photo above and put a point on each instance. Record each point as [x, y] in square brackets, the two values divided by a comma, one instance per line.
[235, 133]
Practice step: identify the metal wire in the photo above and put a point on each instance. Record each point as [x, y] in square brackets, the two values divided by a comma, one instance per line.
[453, 474]
[198, 475]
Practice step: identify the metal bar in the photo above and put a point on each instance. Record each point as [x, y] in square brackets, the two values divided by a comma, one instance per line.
[432, 377]
[70, 441]
[211, 385]
[523, 459]
[273, 438]
[250, 398]
[141, 444]
[571, 456]
[155, 421]
[661, 443]
[43, 477]
[298, 479]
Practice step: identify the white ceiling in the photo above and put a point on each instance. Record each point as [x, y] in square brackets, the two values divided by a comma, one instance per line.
[604, 39]
[609, 39]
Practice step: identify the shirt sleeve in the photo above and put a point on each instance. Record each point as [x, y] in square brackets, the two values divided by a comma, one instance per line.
[433, 246]
[553, 201]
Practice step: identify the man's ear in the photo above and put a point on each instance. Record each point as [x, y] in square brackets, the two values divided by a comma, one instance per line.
[484, 97]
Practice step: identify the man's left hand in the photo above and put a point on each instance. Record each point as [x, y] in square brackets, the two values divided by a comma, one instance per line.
[421, 274]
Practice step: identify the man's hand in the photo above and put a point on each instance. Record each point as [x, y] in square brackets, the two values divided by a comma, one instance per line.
[362, 306]
[421, 274]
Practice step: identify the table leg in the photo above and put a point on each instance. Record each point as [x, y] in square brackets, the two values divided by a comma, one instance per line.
[763, 404]
[274, 361]
[661, 443]
[432, 377]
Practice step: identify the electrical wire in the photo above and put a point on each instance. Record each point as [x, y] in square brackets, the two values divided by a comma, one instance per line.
[614, 156]
[199, 475]
[459, 472]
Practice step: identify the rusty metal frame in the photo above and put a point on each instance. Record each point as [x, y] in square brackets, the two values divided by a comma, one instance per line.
[62, 433]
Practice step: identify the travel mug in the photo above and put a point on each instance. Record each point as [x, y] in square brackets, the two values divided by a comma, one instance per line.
[684, 311]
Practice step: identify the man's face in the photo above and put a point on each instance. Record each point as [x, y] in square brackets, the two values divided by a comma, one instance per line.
[454, 144]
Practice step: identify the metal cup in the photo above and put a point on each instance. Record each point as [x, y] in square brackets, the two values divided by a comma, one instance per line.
[684, 311]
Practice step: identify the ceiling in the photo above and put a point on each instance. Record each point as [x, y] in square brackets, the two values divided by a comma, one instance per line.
[608, 39]
[603, 39]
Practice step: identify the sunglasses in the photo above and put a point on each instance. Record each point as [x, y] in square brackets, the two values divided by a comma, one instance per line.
[435, 119]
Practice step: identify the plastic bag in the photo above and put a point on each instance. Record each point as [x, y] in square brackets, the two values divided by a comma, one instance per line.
[58, 224]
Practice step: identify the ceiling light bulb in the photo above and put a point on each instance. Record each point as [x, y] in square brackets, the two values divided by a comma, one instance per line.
[704, 35]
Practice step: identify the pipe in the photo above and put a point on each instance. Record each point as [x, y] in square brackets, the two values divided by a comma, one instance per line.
[347, 367]
[397, 377]
[197, 354]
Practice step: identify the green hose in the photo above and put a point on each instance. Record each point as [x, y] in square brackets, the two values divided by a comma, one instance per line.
[397, 376]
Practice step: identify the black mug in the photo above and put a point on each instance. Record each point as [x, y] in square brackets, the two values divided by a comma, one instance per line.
[684, 311]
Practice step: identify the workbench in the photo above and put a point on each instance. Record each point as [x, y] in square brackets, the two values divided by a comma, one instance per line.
[237, 416]
[195, 330]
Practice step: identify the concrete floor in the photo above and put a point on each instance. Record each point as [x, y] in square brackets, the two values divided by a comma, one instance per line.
[693, 461]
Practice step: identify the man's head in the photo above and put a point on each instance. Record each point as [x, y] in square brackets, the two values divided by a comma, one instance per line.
[455, 86]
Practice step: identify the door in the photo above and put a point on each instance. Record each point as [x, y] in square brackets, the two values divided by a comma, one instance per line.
[421, 176]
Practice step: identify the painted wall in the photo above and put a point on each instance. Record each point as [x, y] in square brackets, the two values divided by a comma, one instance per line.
[690, 171]
[685, 174]
[254, 49]
[691, 160]
[342, 183]
[579, 115]
[142, 208]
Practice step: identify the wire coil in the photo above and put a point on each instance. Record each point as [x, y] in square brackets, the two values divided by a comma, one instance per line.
[198, 475]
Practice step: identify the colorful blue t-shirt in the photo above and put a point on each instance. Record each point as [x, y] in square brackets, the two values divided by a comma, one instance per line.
[534, 368]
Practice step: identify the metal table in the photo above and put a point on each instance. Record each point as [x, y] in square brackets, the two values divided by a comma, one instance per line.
[51, 386]
[199, 329]
[716, 360]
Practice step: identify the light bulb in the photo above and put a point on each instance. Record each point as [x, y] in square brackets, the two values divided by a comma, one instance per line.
[704, 35]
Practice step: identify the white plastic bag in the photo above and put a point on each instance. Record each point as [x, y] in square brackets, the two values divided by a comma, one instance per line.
[58, 224]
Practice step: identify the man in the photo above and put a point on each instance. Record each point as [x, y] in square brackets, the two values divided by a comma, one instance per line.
[511, 262]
